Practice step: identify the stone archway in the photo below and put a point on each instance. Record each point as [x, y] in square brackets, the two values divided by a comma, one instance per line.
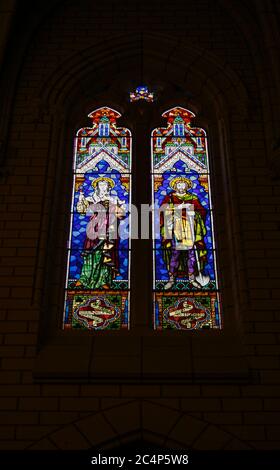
[63, 98]
[140, 420]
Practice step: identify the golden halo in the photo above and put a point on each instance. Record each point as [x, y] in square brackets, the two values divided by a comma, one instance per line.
[180, 179]
[103, 178]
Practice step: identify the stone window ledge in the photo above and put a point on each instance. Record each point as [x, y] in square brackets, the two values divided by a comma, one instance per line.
[155, 357]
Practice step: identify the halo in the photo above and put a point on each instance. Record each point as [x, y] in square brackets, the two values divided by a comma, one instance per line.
[180, 179]
[103, 178]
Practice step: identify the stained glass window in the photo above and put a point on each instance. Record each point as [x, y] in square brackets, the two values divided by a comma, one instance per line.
[141, 93]
[98, 269]
[186, 294]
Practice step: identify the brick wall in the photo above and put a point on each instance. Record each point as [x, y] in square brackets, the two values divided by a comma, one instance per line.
[202, 416]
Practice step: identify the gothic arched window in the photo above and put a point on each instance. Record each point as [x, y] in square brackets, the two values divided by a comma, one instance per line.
[98, 269]
[185, 282]
[185, 278]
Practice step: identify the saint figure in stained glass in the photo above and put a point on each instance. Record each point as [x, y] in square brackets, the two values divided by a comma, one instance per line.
[100, 249]
[184, 246]
[98, 270]
[186, 293]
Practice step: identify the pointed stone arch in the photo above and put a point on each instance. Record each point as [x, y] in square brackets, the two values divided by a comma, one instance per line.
[140, 420]
[163, 57]
[205, 82]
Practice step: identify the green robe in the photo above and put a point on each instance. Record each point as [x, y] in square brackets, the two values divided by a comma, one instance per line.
[95, 273]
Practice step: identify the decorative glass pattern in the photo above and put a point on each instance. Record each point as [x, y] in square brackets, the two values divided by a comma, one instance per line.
[186, 294]
[98, 269]
[141, 93]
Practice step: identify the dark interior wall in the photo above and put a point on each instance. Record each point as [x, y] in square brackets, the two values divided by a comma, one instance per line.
[60, 60]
